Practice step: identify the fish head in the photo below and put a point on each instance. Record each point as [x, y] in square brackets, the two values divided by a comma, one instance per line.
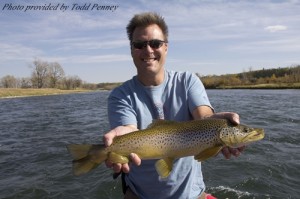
[240, 135]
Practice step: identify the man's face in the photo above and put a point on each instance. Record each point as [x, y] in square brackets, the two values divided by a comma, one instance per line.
[149, 60]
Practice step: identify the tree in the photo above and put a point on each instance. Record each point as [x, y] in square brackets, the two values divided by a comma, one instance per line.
[25, 82]
[273, 78]
[39, 74]
[56, 73]
[9, 81]
[72, 82]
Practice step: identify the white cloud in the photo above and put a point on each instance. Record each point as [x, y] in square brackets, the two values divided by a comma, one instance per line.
[275, 28]
[201, 32]
[18, 52]
[90, 43]
[88, 59]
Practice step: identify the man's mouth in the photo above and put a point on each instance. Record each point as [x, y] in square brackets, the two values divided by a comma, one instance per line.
[149, 59]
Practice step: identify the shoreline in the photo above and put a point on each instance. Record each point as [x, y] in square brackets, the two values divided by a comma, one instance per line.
[261, 86]
[10, 93]
[7, 93]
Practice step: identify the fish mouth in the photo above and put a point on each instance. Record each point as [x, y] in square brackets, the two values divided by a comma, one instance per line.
[255, 135]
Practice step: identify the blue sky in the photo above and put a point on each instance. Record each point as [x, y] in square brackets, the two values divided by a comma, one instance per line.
[205, 36]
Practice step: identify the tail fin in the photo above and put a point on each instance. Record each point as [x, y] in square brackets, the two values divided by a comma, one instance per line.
[86, 157]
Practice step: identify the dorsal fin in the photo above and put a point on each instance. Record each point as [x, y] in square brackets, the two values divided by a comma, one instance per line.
[156, 123]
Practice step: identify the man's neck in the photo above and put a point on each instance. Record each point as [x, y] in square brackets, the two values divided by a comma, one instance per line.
[152, 79]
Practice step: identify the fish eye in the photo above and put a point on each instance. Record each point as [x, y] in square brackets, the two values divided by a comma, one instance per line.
[247, 130]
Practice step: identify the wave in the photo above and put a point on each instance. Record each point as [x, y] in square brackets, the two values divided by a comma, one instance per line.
[229, 192]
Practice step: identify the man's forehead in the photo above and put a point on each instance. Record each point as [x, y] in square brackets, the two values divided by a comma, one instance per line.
[146, 31]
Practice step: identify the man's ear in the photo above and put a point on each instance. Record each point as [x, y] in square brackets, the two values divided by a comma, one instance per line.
[167, 47]
[131, 50]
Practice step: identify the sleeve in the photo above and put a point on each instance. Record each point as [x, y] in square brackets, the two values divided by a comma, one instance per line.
[120, 109]
[196, 93]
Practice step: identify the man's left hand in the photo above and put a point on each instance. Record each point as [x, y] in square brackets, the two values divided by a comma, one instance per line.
[235, 119]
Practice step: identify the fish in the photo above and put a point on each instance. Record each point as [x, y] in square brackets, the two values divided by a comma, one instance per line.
[166, 141]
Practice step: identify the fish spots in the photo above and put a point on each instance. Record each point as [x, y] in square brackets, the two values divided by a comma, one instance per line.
[172, 139]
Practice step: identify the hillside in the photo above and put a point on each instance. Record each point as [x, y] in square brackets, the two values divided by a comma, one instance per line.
[288, 77]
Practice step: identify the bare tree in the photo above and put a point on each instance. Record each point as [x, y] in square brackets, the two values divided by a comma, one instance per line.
[9, 81]
[72, 82]
[56, 73]
[25, 82]
[39, 74]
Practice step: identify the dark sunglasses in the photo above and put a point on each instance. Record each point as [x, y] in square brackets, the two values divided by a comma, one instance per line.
[155, 44]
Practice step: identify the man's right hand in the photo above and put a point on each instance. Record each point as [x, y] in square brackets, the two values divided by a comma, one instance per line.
[108, 140]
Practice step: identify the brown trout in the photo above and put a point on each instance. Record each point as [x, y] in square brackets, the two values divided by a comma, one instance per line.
[166, 141]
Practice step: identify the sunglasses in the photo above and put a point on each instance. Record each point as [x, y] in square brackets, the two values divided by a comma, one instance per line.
[155, 44]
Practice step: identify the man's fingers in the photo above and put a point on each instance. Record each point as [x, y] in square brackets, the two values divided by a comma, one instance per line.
[234, 152]
[108, 164]
[241, 149]
[117, 167]
[226, 153]
[135, 159]
[108, 137]
[125, 168]
[233, 117]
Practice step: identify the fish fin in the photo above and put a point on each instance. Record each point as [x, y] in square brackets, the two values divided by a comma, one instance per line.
[158, 122]
[79, 151]
[164, 167]
[86, 157]
[210, 152]
[117, 158]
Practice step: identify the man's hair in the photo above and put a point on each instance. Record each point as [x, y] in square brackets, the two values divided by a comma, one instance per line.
[146, 19]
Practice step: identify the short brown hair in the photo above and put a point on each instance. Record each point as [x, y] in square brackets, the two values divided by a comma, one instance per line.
[146, 19]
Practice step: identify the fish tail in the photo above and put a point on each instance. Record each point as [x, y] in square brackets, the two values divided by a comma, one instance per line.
[86, 157]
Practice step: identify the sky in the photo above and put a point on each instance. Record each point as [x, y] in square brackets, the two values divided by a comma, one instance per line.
[205, 36]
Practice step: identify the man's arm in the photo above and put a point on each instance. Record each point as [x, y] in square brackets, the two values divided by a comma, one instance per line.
[202, 112]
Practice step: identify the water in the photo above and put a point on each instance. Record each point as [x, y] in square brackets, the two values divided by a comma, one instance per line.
[34, 162]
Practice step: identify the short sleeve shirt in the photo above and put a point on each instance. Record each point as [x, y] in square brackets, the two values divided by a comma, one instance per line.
[174, 99]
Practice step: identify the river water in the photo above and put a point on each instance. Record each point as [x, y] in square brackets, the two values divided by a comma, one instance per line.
[34, 162]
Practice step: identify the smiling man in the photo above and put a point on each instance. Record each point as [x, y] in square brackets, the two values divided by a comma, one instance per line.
[157, 93]
[149, 49]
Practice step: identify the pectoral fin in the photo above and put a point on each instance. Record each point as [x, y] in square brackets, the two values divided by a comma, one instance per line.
[204, 155]
[164, 167]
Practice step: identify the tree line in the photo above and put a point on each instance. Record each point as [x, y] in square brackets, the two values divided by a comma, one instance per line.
[45, 75]
[51, 75]
[287, 75]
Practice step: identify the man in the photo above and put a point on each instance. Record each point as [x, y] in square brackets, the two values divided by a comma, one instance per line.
[156, 93]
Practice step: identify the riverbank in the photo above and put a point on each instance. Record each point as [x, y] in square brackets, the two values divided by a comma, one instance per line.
[261, 86]
[19, 92]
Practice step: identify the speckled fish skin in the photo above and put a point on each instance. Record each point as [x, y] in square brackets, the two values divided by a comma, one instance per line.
[166, 140]
[169, 139]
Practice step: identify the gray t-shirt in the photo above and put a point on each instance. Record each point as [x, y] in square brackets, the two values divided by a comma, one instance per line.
[174, 99]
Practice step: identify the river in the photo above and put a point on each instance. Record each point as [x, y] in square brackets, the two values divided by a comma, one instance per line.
[35, 164]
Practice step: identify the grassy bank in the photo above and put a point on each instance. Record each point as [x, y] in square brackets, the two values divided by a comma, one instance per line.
[264, 86]
[19, 92]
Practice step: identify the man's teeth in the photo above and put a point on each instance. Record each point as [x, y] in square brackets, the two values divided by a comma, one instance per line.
[149, 59]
